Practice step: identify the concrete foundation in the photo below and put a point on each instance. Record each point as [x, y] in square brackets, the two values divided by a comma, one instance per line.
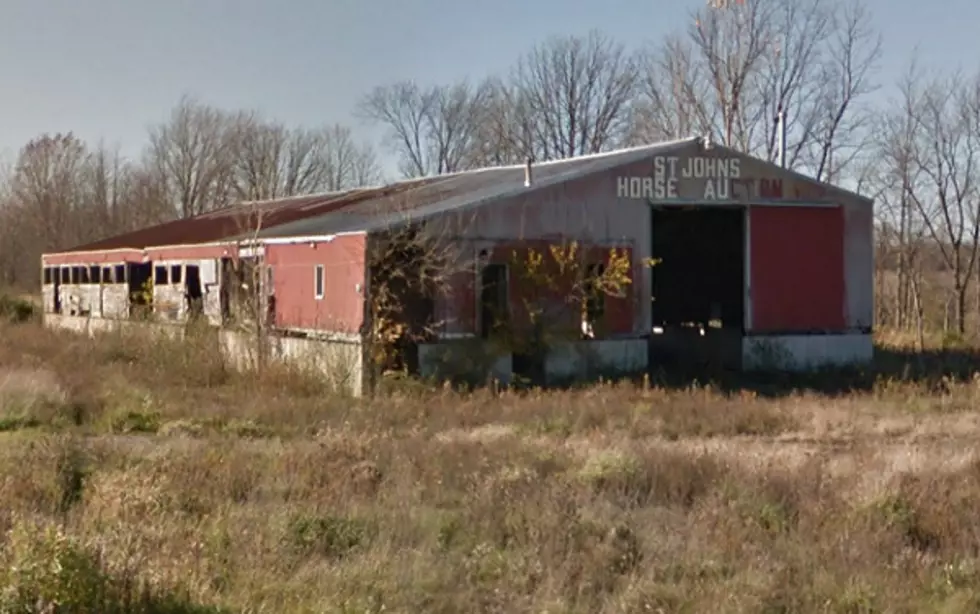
[804, 352]
[565, 363]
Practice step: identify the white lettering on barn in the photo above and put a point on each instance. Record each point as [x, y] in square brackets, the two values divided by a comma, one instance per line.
[716, 173]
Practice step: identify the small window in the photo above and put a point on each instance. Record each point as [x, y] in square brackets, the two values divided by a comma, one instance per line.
[76, 275]
[95, 274]
[176, 274]
[107, 275]
[66, 275]
[318, 282]
[160, 276]
[47, 275]
[120, 273]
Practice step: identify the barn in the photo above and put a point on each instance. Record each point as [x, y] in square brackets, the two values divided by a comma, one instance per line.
[729, 259]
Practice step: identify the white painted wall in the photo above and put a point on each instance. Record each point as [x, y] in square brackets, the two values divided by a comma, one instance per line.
[858, 265]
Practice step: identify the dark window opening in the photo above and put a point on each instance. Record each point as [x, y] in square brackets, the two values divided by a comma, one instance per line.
[176, 274]
[107, 275]
[318, 282]
[494, 303]
[119, 273]
[47, 275]
[160, 276]
[95, 274]
[66, 275]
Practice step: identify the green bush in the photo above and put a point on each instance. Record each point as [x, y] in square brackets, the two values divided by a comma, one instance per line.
[331, 536]
[46, 570]
[16, 310]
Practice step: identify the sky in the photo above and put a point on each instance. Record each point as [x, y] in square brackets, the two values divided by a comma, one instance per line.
[107, 69]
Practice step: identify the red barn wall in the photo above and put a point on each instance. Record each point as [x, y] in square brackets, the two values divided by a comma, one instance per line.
[462, 308]
[341, 309]
[797, 276]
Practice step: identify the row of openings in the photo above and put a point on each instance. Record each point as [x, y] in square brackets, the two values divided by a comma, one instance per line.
[162, 275]
[86, 274]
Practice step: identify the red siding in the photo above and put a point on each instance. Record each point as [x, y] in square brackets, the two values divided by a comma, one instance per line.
[797, 268]
[619, 310]
[342, 308]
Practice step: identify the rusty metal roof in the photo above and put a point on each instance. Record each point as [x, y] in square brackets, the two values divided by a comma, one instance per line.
[460, 191]
[371, 209]
[238, 219]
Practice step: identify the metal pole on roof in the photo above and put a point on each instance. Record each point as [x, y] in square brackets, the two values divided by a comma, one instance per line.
[781, 136]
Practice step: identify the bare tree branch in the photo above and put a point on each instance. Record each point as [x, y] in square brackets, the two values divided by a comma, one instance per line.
[578, 91]
[193, 156]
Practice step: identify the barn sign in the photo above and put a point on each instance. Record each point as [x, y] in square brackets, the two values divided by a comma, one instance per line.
[712, 177]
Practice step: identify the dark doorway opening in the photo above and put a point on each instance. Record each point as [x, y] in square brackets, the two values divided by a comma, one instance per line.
[494, 303]
[56, 279]
[193, 291]
[140, 293]
[698, 286]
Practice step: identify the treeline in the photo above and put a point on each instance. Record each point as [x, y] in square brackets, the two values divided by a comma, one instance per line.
[726, 73]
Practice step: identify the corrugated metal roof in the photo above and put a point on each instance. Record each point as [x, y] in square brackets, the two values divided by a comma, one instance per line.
[369, 209]
[459, 191]
[234, 221]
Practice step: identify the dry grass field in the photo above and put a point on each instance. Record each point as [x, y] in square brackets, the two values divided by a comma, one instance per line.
[138, 475]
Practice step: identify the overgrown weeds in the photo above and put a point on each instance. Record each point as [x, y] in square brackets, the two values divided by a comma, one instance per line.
[143, 475]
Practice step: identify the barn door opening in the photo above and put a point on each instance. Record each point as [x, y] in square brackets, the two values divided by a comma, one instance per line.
[140, 286]
[698, 286]
[494, 300]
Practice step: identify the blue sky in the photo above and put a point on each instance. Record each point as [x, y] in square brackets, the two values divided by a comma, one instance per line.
[107, 68]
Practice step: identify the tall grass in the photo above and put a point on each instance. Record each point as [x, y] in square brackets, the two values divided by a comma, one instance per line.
[142, 474]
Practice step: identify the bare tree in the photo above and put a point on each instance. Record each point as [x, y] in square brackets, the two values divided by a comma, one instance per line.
[504, 127]
[193, 156]
[746, 60]
[349, 164]
[273, 161]
[578, 90]
[900, 231]
[670, 101]
[431, 130]
[118, 195]
[945, 159]
[45, 186]
[731, 41]
[840, 118]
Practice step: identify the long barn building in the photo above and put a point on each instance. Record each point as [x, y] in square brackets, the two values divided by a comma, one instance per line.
[756, 265]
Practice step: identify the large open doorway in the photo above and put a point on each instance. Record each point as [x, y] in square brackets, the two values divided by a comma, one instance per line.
[698, 286]
[138, 277]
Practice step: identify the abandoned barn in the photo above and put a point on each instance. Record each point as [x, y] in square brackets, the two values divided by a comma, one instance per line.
[728, 258]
